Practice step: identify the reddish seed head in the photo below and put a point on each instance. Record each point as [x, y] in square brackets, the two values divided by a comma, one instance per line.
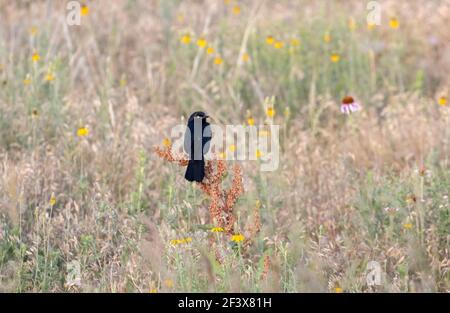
[348, 100]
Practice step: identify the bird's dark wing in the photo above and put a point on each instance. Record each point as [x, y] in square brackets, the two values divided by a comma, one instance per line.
[207, 135]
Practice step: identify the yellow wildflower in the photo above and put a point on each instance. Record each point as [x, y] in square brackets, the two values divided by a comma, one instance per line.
[35, 57]
[408, 226]
[236, 10]
[168, 283]
[278, 45]
[175, 242]
[202, 43]
[335, 57]
[222, 155]
[49, 77]
[217, 229]
[210, 50]
[327, 37]
[338, 290]
[270, 40]
[270, 112]
[250, 121]
[186, 39]
[27, 80]
[84, 11]
[52, 200]
[371, 26]
[295, 42]
[82, 132]
[218, 60]
[153, 290]
[237, 238]
[442, 101]
[258, 154]
[33, 30]
[166, 142]
[232, 148]
[394, 23]
[246, 57]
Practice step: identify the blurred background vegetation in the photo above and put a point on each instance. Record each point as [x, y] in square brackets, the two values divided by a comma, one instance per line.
[85, 205]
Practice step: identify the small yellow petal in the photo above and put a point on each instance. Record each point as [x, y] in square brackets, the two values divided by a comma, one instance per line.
[166, 142]
[408, 226]
[82, 132]
[371, 26]
[295, 42]
[168, 283]
[84, 10]
[52, 201]
[186, 39]
[442, 101]
[202, 43]
[270, 112]
[278, 45]
[237, 238]
[27, 81]
[394, 23]
[335, 58]
[236, 10]
[35, 57]
[49, 77]
[33, 30]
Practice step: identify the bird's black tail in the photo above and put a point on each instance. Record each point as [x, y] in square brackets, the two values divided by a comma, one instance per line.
[195, 170]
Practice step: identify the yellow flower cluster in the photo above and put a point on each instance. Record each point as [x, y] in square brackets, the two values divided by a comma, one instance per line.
[186, 240]
[82, 132]
[237, 238]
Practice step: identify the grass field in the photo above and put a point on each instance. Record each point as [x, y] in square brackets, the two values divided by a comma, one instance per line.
[88, 205]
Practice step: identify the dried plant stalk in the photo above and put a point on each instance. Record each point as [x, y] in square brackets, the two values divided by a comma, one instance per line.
[222, 201]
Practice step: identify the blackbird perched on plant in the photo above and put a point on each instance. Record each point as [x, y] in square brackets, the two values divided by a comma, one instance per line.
[196, 143]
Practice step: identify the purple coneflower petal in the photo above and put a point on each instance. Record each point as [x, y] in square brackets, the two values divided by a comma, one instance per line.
[345, 109]
[354, 107]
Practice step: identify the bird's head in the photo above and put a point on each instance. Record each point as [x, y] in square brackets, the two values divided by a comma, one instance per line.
[198, 115]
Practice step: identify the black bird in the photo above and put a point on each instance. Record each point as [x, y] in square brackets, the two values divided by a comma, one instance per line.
[196, 142]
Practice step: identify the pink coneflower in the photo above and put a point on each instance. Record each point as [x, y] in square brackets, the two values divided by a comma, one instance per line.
[349, 105]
